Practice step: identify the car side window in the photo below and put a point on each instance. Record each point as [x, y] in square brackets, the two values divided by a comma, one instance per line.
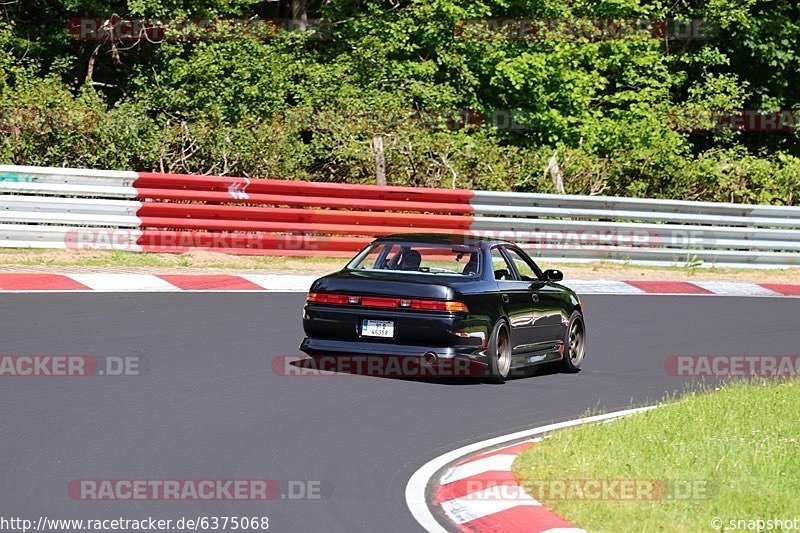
[526, 270]
[502, 269]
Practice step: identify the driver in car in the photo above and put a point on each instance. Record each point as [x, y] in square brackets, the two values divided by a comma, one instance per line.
[411, 260]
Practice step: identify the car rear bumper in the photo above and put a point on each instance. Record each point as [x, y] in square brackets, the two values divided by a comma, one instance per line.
[338, 329]
[341, 348]
[395, 360]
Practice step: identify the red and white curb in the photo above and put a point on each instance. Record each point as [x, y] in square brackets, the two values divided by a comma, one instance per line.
[499, 503]
[474, 490]
[116, 282]
[119, 282]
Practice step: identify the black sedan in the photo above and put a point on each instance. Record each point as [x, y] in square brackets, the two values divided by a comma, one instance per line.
[443, 298]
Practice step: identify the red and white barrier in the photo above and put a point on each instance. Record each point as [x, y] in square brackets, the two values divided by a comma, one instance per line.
[156, 212]
[279, 217]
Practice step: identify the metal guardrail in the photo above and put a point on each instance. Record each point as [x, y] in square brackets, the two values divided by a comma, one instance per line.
[611, 203]
[76, 208]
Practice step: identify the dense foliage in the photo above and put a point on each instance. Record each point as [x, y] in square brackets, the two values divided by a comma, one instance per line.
[246, 106]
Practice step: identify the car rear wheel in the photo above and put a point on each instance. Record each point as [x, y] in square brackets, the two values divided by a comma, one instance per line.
[574, 344]
[499, 356]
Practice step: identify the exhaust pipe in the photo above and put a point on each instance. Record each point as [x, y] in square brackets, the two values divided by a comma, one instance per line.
[430, 358]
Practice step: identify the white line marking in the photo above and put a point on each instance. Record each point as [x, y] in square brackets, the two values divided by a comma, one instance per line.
[415, 489]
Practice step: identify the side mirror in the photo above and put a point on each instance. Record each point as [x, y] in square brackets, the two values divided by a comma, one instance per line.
[553, 275]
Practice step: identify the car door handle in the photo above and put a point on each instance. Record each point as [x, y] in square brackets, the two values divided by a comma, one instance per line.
[505, 298]
[535, 297]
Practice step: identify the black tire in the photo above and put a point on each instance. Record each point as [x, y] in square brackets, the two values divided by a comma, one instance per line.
[574, 344]
[499, 353]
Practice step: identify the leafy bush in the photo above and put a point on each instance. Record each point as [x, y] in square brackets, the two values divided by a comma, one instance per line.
[604, 108]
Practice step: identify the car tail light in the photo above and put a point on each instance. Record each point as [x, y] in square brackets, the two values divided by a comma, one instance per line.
[370, 301]
[438, 305]
[327, 298]
[387, 303]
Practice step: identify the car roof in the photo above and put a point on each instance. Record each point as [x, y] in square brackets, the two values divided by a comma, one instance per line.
[440, 238]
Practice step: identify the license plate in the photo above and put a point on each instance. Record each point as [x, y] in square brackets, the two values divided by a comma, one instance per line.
[377, 328]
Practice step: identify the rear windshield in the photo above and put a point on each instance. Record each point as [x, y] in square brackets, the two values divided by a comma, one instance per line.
[419, 258]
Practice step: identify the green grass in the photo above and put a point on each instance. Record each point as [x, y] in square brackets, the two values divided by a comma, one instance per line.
[740, 442]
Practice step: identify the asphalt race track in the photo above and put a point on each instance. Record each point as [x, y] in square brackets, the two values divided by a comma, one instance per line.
[210, 407]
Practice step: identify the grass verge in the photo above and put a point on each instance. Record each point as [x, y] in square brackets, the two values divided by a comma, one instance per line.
[733, 453]
[109, 259]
